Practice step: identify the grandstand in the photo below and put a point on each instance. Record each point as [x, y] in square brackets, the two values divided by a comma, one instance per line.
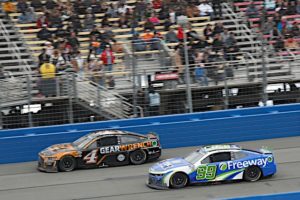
[249, 68]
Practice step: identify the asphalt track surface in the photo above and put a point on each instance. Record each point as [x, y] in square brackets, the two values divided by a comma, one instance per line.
[23, 181]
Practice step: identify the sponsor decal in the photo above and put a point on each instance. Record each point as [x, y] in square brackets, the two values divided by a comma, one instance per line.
[244, 164]
[206, 172]
[168, 76]
[121, 157]
[127, 147]
[223, 166]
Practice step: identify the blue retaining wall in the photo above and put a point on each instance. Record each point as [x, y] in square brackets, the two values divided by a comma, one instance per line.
[182, 130]
[280, 196]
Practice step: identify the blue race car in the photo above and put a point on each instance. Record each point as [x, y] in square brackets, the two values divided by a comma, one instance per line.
[212, 163]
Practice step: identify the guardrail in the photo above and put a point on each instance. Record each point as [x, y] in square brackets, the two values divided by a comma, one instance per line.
[181, 130]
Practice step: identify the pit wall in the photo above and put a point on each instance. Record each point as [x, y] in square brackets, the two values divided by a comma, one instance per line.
[20, 145]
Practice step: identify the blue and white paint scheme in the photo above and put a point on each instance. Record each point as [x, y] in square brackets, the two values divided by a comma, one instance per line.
[212, 163]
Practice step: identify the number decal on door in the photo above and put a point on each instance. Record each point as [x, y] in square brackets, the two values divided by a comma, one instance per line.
[206, 172]
[91, 157]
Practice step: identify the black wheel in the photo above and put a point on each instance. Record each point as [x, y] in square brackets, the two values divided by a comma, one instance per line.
[252, 173]
[178, 180]
[138, 157]
[67, 164]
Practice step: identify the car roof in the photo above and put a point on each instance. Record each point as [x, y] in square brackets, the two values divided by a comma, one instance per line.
[102, 133]
[219, 147]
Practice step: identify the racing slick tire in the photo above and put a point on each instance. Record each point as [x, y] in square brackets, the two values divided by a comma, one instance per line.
[178, 180]
[138, 157]
[67, 164]
[252, 173]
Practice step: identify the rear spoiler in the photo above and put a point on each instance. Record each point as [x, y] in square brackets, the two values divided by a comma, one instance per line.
[265, 151]
[152, 135]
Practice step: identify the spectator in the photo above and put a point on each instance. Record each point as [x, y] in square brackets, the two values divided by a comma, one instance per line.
[217, 7]
[205, 9]
[217, 44]
[55, 20]
[148, 35]
[180, 34]
[74, 42]
[57, 60]
[36, 4]
[108, 58]
[49, 48]
[298, 7]
[123, 21]
[295, 31]
[149, 25]
[153, 19]
[192, 34]
[192, 11]
[138, 44]
[9, 7]
[89, 22]
[172, 16]
[22, 6]
[219, 28]
[200, 74]
[23, 18]
[75, 21]
[156, 4]
[252, 11]
[279, 44]
[171, 36]
[154, 102]
[48, 82]
[208, 32]
[99, 74]
[292, 8]
[112, 11]
[291, 43]
[43, 57]
[44, 33]
[50, 4]
[270, 5]
[268, 26]
[42, 21]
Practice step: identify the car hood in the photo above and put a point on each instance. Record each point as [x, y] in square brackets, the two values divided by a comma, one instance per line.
[169, 164]
[57, 148]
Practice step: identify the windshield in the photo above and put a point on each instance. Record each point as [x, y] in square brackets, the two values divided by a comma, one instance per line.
[194, 157]
[81, 142]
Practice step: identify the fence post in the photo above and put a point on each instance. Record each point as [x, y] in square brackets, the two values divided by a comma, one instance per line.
[1, 120]
[29, 89]
[98, 99]
[134, 95]
[71, 89]
[226, 100]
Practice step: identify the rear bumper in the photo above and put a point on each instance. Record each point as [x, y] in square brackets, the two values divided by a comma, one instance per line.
[154, 154]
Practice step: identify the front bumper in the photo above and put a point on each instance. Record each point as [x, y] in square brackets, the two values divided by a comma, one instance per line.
[45, 166]
[156, 182]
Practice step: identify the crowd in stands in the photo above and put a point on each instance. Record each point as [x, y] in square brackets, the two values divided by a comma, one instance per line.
[61, 22]
[279, 22]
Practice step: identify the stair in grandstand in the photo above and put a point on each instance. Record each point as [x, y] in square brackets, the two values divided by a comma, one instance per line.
[249, 41]
[14, 55]
[97, 99]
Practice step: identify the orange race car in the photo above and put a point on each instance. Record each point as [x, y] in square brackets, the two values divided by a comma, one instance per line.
[101, 149]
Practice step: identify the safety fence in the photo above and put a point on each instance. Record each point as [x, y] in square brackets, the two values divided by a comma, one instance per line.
[174, 131]
[85, 96]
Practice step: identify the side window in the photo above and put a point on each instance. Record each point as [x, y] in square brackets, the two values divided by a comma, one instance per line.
[130, 139]
[239, 155]
[206, 160]
[108, 141]
[220, 157]
[92, 146]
